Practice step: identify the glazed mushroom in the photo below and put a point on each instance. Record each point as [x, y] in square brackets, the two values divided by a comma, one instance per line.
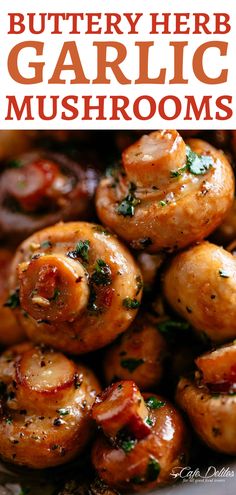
[167, 194]
[143, 439]
[79, 287]
[45, 403]
[10, 331]
[200, 284]
[41, 188]
[139, 355]
[210, 399]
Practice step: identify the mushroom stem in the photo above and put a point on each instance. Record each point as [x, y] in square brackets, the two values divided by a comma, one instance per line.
[53, 288]
[152, 160]
[122, 406]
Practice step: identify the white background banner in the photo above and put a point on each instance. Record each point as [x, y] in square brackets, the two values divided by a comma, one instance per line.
[185, 97]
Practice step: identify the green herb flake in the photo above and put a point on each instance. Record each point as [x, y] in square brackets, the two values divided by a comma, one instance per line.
[154, 403]
[127, 445]
[162, 203]
[169, 326]
[81, 251]
[127, 206]
[149, 422]
[14, 164]
[101, 274]
[8, 421]
[63, 412]
[153, 469]
[24, 491]
[13, 300]
[137, 480]
[46, 244]
[224, 274]
[92, 304]
[113, 170]
[129, 303]
[198, 164]
[54, 447]
[174, 174]
[131, 363]
[56, 294]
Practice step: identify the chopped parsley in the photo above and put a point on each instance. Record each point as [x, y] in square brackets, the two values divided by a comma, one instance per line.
[129, 303]
[149, 422]
[92, 304]
[137, 480]
[168, 326]
[81, 251]
[195, 164]
[46, 244]
[14, 164]
[127, 445]
[153, 469]
[112, 171]
[162, 203]
[224, 274]
[131, 363]
[24, 491]
[154, 403]
[178, 172]
[13, 300]
[78, 381]
[127, 206]
[63, 412]
[56, 294]
[8, 421]
[54, 447]
[101, 274]
[198, 164]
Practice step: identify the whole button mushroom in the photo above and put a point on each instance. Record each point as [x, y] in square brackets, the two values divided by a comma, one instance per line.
[200, 284]
[143, 438]
[46, 400]
[167, 194]
[79, 287]
[210, 399]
